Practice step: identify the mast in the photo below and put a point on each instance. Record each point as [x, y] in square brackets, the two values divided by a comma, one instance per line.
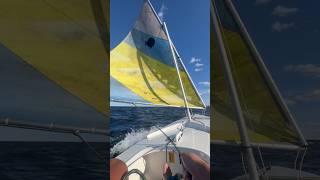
[252, 167]
[178, 73]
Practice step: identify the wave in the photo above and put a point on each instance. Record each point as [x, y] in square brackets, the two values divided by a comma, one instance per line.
[130, 138]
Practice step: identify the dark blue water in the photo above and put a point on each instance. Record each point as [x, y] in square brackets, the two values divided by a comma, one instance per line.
[130, 124]
[51, 161]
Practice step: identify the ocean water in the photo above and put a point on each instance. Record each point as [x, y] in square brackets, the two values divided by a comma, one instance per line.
[129, 125]
[51, 161]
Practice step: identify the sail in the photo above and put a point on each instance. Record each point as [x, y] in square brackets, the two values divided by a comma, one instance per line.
[54, 62]
[142, 66]
[265, 118]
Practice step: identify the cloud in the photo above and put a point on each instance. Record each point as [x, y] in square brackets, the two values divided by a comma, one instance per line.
[283, 11]
[289, 101]
[207, 91]
[162, 11]
[205, 83]
[307, 97]
[262, 2]
[198, 65]
[306, 69]
[194, 60]
[280, 27]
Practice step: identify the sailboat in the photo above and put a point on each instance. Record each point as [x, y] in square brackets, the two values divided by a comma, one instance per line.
[53, 70]
[248, 109]
[146, 69]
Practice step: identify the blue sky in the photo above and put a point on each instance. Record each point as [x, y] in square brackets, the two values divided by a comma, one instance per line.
[189, 28]
[287, 34]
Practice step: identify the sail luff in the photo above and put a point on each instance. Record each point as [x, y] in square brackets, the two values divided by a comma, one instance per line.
[234, 98]
[261, 65]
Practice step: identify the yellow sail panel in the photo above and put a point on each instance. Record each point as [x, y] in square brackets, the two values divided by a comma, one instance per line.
[264, 117]
[63, 40]
[150, 79]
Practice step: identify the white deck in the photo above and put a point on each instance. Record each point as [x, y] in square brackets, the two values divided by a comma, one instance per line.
[149, 155]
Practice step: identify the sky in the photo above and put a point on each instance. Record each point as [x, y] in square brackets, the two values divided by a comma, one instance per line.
[287, 35]
[189, 28]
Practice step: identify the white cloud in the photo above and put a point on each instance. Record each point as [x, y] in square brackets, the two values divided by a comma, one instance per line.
[162, 11]
[194, 60]
[198, 65]
[261, 2]
[205, 92]
[306, 69]
[289, 101]
[205, 83]
[307, 97]
[283, 11]
[280, 27]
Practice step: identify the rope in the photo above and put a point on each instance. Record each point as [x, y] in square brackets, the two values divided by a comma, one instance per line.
[296, 160]
[77, 134]
[172, 142]
[243, 164]
[262, 161]
[301, 162]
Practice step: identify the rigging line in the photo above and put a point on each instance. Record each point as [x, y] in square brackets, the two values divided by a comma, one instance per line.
[301, 162]
[296, 160]
[243, 164]
[261, 159]
[77, 134]
[172, 142]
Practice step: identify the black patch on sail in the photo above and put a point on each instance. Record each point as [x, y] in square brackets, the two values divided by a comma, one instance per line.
[150, 42]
